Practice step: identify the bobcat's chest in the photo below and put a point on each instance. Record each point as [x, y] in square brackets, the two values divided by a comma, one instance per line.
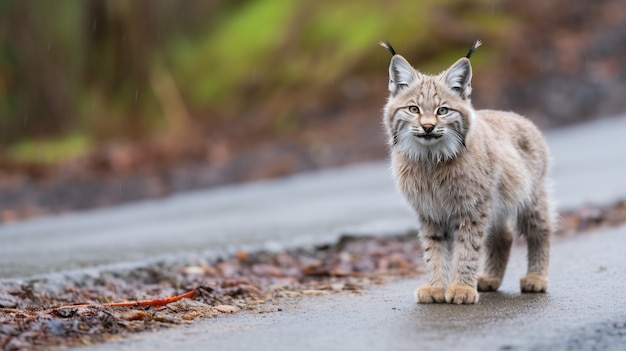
[440, 193]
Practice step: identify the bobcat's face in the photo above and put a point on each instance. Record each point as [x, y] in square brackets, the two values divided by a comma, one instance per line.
[428, 117]
[425, 123]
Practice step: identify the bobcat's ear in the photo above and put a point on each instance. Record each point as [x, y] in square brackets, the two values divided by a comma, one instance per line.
[401, 74]
[459, 76]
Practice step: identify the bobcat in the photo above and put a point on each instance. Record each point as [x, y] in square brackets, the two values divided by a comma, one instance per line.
[469, 175]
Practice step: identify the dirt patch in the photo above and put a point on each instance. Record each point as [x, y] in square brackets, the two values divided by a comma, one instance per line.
[41, 315]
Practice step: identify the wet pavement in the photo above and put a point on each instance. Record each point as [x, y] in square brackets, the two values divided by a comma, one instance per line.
[296, 211]
[584, 309]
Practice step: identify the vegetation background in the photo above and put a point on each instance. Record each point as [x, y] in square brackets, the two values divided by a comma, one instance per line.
[104, 101]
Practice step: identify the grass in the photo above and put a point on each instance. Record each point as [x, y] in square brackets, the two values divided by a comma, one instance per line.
[51, 151]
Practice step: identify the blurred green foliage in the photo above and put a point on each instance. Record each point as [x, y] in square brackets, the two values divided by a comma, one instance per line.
[76, 73]
[51, 151]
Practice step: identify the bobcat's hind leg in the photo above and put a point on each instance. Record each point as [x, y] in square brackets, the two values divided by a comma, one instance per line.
[535, 224]
[497, 248]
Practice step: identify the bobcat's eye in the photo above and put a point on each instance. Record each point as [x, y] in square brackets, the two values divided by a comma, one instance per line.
[442, 111]
[414, 109]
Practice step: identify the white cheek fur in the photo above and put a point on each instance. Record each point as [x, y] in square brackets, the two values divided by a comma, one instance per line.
[435, 150]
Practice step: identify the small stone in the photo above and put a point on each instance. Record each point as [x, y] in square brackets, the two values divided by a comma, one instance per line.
[56, 327]
[193, 270]
[337, 286]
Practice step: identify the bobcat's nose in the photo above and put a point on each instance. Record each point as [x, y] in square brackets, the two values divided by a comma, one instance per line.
[428, 128]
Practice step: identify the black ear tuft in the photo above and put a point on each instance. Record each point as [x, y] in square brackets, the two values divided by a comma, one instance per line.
[476, 45]
[388, 47]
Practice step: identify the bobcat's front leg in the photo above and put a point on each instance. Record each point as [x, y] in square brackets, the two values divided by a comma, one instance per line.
[435, 244]
[465, 260]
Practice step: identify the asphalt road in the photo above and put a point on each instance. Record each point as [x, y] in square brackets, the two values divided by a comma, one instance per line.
[300, 210]
[584, 309]
[589, 166]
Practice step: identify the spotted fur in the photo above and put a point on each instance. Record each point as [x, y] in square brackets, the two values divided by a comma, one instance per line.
[472, 177]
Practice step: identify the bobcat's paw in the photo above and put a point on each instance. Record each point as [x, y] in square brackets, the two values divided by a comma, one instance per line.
[461, 294]
[534, 283]
[487, 283]
[429, 294]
